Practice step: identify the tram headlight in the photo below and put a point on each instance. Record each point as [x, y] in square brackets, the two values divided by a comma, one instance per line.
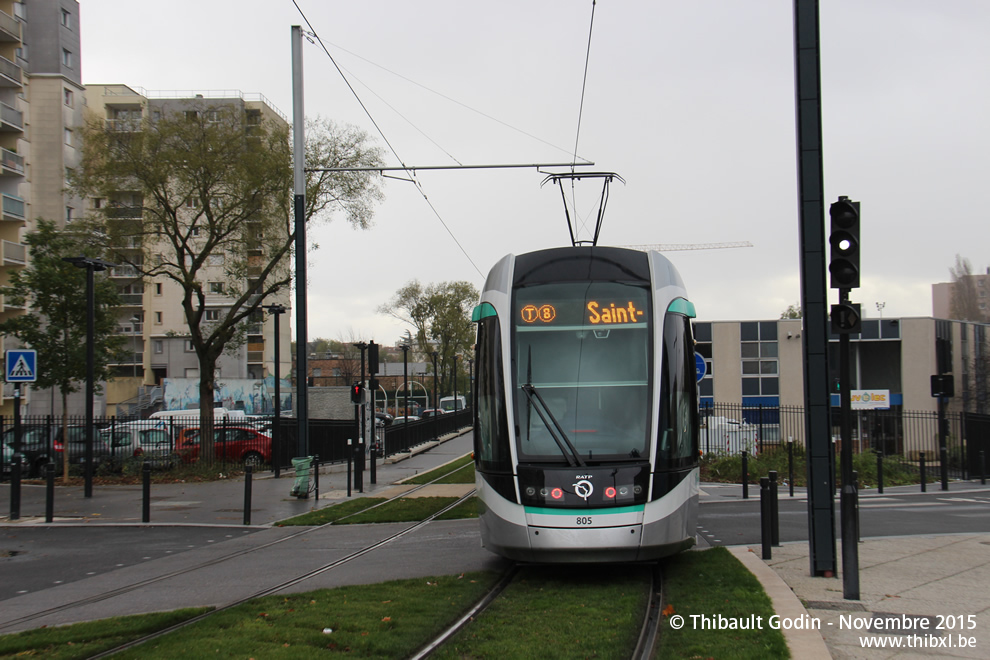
[544, 492]
[623, 490]
[530, 491]
[637, 489]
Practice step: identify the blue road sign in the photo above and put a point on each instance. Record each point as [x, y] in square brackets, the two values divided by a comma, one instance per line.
[21, 366]
[700, 367]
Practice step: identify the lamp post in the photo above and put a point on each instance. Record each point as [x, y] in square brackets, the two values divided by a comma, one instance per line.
[470, 393]
[455, 382]
[405, 387]
[91, 266]
[360, 411]
[134, 322]
[436, 400]
[277, 310]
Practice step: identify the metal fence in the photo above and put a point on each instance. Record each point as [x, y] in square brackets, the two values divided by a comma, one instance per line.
[120, 445]
[904, 434]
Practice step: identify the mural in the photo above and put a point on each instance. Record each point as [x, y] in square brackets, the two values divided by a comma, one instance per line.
[254, 397]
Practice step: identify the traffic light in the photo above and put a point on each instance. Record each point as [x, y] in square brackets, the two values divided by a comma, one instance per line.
[846, 318]
[844, 239]
[357, 393]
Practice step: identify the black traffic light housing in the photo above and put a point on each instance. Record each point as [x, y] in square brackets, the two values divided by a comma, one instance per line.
[357, 393]
[844, 239]
[846, 318]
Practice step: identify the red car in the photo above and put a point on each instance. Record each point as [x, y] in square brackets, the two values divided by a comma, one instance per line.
[233, 444]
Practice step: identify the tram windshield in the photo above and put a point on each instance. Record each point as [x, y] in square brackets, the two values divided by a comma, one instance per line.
[581, 371]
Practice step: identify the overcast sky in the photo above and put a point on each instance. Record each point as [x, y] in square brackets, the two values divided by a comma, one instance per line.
[692, 103]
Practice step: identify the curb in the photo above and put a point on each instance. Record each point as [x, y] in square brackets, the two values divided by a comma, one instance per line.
[806, 644]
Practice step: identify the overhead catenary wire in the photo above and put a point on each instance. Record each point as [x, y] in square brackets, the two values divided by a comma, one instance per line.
[577, 133]
[378, 128]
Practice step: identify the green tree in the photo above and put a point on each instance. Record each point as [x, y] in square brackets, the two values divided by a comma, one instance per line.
[54, 291]
[440, 314]
[206, 197]
[792, 312]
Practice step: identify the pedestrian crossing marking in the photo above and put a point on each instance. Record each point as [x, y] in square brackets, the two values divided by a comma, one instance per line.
[21, 369]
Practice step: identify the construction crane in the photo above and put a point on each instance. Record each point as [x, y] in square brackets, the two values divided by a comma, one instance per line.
[674, 247]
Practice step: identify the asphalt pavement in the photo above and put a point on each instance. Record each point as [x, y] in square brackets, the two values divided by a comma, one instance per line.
[922, 595]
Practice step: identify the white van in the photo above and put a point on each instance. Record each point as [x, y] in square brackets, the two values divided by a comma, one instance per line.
[448, 404]
[191, 417]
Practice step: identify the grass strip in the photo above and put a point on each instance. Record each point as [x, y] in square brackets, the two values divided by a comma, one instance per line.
[469, 508]
[406, 509]
[84, 640]
[332, 513]
[449, 472]
[711, 583]
[387, 620]
[573, 611]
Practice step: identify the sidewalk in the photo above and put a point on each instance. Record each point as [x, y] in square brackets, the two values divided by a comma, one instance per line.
[909, 586]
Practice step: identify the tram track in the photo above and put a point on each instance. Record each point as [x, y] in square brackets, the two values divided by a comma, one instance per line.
[122, 590]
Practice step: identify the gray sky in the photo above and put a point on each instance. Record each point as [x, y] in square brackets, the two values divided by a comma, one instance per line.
[691, 102]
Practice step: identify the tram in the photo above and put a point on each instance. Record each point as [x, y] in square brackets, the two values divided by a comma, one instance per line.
[586, 427]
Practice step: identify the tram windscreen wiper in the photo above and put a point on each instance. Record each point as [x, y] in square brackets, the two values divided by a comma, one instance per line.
[566, 448]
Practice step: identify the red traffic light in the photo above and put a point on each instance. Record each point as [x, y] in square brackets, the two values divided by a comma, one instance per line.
[357, 393]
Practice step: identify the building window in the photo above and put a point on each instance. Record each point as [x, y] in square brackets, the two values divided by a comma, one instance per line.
[212, 315]
[68, 214]
[66, 19]
[68, 136]
[189, 346]
[158, 318]
[216, 288]
[159, 346]
[68, 98]
[158, 288]
[66, 58]
[758, 354]
[216, 259]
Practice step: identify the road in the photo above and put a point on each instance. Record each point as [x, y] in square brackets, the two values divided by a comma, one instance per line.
[737, 521]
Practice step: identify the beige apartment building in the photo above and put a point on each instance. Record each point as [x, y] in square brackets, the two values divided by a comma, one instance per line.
[151, 316]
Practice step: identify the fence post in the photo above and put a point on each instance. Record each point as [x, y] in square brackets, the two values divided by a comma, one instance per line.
[348, 467]
[315, 466]
[146, 492]
[765, 524]
[924, 479]
[248, 473]
[49, 492]
[745, 476]
[880, 473]
[944, 458]
[983, 469]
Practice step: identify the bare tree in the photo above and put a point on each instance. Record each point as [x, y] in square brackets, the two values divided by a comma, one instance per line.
[965, 303]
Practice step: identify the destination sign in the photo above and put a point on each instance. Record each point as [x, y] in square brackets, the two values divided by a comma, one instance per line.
[595, 313]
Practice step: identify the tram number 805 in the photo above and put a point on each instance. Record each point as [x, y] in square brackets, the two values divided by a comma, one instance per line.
[584, 520]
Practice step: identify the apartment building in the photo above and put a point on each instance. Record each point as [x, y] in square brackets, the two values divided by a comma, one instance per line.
[151, 316]
[41, 106]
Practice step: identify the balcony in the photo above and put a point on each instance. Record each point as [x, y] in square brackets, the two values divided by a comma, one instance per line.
[124, 125]
[10, 28]
[124, 212]
[13, 209]
[11, 119]
[11, 164]
[131, 299]
[14, 254]
[255, 356]
[10, 74]
[125, 271]
[6, 305]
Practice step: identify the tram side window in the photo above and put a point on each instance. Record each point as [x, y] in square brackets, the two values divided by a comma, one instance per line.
[678, 433]
[493, 437]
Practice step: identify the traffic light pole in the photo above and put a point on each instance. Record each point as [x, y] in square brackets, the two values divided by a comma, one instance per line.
[848, 501]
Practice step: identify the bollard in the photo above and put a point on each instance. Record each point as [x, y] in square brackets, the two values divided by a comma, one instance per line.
[879, 473]
[765, 532]
[374, 457]
[146, 492]
[745, 476]
[49, 492]
[943, 455]
[248, 474]
[983, 469]
[921, 467]
[790, 467]
[316, 477]
[15, 488]
[774, 510]
[359, 466]
[348, 467]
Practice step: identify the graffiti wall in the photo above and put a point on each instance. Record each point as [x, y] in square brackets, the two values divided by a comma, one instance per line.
[254, 397]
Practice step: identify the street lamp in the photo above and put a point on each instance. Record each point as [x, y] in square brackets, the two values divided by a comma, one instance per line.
[277, 310]
[134, 322]
[91, 266]
[455, 382]
[405, 386]
[436, 400]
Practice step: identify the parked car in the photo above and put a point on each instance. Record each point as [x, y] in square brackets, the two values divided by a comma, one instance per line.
[403, 420]
[432, 412]
[43, 443]
[147, 440]
[384, 418]
[234, 444]
[8, 461]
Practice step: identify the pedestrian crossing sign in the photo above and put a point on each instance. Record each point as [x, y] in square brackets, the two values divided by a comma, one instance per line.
[21, 366]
